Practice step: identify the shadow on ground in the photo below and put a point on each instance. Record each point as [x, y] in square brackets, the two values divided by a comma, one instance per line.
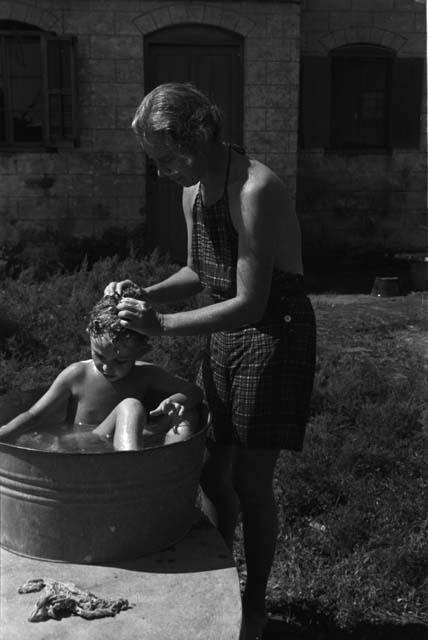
[341, 277]
[279, 629]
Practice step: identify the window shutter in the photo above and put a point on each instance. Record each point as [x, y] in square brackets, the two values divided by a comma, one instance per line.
[61, 124]
[314, 130]
[406, 98]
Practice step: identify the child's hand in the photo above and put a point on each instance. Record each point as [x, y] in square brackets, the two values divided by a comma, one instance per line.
[168, 407]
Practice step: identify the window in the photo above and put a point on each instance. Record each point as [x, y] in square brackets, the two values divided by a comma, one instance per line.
[361, 98]
[38, 101]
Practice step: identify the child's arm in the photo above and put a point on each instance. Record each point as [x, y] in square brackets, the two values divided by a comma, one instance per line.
[180, 395]
[53, 404]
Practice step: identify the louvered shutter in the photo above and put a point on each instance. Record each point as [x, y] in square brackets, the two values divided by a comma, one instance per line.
[314, 126]
[61, 104]
[406, 99]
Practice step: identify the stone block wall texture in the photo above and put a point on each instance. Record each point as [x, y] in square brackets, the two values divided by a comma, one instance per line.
[101, 184]
[364, 203]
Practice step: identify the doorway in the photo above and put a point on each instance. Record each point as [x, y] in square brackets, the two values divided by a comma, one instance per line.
[212, 59]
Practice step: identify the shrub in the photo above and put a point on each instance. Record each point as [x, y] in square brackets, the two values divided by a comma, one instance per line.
[38, 254]
[46, 320]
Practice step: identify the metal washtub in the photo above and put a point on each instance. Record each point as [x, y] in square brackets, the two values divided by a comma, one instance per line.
[96, 507]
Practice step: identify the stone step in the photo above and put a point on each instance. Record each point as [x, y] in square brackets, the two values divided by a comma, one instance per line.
[189, 591]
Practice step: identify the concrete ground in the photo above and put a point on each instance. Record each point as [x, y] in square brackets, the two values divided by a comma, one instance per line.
[187, 592]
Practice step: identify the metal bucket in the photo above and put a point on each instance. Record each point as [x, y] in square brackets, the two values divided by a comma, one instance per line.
[96, 507]
[386, 287]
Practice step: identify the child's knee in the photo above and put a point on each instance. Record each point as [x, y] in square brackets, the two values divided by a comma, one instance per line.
[132, 406]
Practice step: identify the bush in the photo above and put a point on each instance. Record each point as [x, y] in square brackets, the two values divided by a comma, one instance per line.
[46, 321]
[39, 254]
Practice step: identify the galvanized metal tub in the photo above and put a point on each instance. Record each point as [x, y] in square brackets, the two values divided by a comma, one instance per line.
[96, 507]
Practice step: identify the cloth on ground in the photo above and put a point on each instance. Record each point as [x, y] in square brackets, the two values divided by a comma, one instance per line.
[62, 599]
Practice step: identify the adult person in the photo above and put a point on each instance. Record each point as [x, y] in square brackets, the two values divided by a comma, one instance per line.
[244, 246]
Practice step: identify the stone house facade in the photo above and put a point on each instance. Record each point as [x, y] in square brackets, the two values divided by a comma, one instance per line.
[366, 193]
[69, 160]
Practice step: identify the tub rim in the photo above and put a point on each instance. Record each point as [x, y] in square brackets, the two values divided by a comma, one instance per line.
[132, 452]
[205, 420]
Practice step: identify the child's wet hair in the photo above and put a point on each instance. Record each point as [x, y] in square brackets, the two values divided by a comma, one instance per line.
[104, 321]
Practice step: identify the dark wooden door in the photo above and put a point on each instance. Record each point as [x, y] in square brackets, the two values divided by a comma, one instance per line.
[211, 58]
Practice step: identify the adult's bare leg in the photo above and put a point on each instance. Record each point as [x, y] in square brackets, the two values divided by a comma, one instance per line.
[219, 499]
[253, 478]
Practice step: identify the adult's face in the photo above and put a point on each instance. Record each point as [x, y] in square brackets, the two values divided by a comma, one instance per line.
[183, 168]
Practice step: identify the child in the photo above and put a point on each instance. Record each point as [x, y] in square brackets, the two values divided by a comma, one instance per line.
[110, 389]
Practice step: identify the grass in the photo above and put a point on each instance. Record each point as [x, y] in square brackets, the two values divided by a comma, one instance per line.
[352, 546]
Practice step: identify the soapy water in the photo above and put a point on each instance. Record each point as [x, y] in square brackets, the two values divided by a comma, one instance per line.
[65, 438]
[75, 438]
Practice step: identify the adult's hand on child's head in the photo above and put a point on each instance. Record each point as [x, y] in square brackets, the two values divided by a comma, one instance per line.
[117, 288]
[139, 316]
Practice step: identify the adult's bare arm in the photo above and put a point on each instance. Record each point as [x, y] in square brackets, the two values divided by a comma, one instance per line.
[261, 206]
[182, 284]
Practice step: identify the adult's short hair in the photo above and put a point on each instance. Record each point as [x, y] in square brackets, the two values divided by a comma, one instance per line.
[182, 113]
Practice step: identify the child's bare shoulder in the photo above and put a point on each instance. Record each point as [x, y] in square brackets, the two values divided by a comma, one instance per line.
[78, 370]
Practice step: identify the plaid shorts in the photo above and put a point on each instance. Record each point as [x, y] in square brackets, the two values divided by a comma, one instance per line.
[258, 380]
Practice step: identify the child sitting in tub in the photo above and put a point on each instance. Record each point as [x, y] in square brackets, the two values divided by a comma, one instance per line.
[110, 389]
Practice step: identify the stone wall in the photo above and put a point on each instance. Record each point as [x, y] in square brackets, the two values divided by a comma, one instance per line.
[101, 183]
[362, 203]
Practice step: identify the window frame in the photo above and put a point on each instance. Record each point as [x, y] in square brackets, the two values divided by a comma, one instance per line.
[405, 103]
[365, 53]
[48, 141]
